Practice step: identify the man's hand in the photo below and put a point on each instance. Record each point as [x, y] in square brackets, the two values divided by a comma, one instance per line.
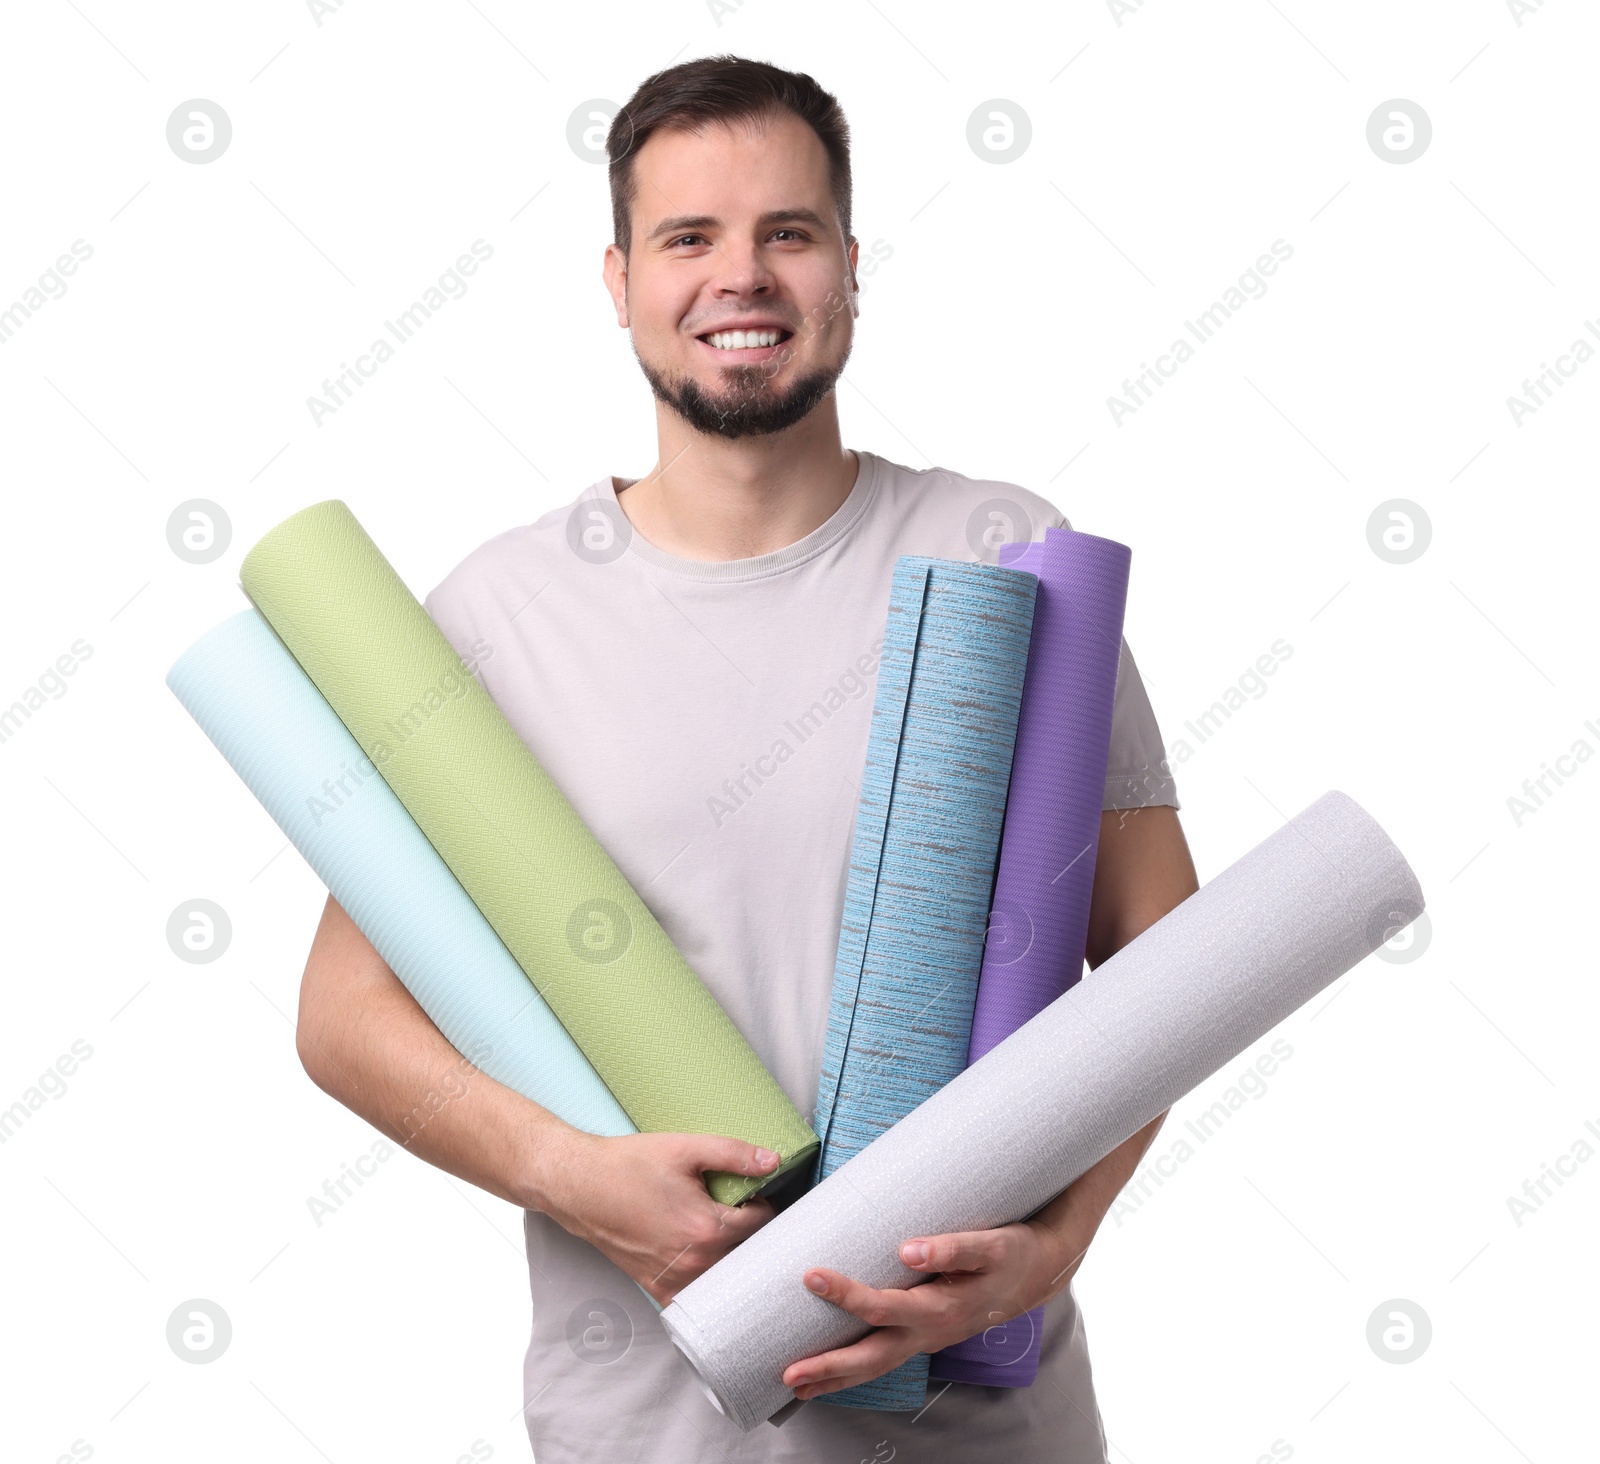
[983, 1278]
[640, 1200]
[986, 1277]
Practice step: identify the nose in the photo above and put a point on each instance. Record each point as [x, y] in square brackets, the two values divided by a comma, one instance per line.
[741, 269]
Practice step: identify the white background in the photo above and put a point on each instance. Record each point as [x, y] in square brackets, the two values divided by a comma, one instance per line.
[1169, 150]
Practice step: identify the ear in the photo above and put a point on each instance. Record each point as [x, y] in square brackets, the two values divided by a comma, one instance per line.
[855, 285]
[615, 273]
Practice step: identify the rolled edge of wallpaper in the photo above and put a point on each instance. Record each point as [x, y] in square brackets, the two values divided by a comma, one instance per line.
[261, 712]
[1039, 924]
[922, 862]
[1023, 553]
[1170, 1009]
[659, 1040]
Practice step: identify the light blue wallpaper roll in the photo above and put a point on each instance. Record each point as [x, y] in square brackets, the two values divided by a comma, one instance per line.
[250, 697]
[922, 865]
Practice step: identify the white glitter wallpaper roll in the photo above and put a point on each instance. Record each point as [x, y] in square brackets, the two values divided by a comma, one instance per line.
[1014, 1129]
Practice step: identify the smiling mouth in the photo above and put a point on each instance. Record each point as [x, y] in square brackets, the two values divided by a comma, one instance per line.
[746, 343]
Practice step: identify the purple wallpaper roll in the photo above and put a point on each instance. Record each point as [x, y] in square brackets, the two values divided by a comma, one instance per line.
[1039, 923]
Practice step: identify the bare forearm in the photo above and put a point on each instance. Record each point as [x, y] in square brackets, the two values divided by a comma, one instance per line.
[1075, 1214]
[640, 1199]
[1143, 870]
[364, 1040]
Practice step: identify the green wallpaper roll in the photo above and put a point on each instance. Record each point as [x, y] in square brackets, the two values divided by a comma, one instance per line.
[668, 1052]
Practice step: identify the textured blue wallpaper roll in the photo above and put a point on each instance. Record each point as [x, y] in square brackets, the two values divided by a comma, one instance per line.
[250, 697]
[922, 865]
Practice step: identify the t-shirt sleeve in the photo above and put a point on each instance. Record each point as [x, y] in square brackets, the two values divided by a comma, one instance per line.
[445, 610]
[1137, 773]
[431, 604]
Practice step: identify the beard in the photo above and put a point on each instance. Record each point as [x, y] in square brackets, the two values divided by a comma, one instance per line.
[748, 405]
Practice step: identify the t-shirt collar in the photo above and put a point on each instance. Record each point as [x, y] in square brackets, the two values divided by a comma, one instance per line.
[759, 566]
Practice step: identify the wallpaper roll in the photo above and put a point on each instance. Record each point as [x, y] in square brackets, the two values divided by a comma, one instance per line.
[253, 701]
[1024, 555]
[999, 1140]
[922, 862]
[657, 1037]
[1039, 924]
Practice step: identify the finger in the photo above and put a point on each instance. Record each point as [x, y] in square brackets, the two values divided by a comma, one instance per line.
[703, 1152]
[698, 1237]
[740, 1222]
[921, 1306]
[966, 1250]
[708, 1230]
[844, 1367]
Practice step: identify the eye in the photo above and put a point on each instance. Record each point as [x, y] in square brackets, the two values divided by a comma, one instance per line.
[682, 237]
[796, 232]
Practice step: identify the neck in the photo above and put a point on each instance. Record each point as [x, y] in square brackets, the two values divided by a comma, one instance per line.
[714, 498]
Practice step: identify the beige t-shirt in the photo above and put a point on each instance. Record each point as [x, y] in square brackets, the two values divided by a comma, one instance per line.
[709, 722]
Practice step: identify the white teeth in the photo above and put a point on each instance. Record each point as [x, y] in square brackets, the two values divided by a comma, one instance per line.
[740, 340]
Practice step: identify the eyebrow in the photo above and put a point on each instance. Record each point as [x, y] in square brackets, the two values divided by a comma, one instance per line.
[696, 223]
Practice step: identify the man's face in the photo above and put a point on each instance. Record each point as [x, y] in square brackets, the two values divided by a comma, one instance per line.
[735, 229]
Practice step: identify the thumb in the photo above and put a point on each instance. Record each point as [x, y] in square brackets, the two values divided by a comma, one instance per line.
[730, 1156]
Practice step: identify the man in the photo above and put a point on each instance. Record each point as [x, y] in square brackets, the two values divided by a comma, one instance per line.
[691, 655]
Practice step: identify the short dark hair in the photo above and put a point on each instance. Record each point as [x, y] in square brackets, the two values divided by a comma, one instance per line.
[724, 89]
